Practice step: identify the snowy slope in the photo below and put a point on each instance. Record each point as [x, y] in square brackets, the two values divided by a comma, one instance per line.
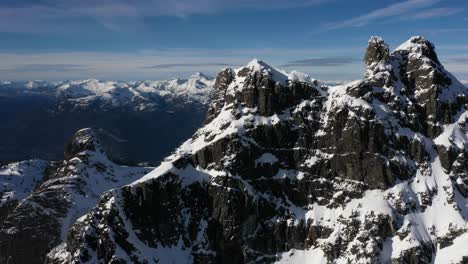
[50, 201]
[17, 180]
[288, 170]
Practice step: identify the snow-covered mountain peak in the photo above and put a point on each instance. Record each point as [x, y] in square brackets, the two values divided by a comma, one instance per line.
[279, 88]
[415, 43]
[375, 40]
[139, 95]
[261, 68]
[413, 70]
[199, 76]
[377, 51]
[31, 85]
[419, 46]
[39, 200]
[82, 88]
[198, 80]
[84, 140]
[257, 66]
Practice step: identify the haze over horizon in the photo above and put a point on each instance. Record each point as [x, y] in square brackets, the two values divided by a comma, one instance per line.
[160, 39]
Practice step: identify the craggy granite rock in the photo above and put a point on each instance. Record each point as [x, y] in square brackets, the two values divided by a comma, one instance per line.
[83, 140]
[65, 191]
[439, 95]
[284, 169]
[222, 82]
[288, 170]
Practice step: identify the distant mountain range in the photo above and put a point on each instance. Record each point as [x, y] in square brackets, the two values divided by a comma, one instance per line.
[138, 95]
[137, 121]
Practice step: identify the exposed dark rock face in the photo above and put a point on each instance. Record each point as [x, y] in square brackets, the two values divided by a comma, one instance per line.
[222, 82]
[436, 94]
[288, 170]
[33, 226]
[84, 140]
[377, 51]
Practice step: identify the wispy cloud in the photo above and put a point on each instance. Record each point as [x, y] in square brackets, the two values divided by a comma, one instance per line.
[460, 60]
[458, 64]
[186, 65]
[444, 30]
[435, 12]
[164, 63]
[453, 47]
[326, 64]
[60, 15]
[320, 62]
[47, 68]
[409, 9]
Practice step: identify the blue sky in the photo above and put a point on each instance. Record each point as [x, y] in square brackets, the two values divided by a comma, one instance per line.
[156, 39]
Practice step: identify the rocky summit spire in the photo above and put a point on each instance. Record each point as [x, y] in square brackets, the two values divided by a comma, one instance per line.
[83, 140]
[67, 190]
[223, 80]
[377, 51]
[419, 45]
[259, 85]
[416, 82]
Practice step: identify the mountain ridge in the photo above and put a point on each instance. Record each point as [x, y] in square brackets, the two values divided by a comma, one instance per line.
[139, 95]
[133, 118]
[36, 218]
[289, 171]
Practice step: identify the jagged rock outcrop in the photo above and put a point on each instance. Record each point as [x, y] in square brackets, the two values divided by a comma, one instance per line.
[377, 51]
[50, 196]
[224, 79]
[288, 170]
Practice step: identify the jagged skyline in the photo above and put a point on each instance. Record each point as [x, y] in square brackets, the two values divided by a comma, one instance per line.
[160, 39]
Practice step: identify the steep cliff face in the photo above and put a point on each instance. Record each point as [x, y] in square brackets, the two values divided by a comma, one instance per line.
[43, 199]
[288, 170]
